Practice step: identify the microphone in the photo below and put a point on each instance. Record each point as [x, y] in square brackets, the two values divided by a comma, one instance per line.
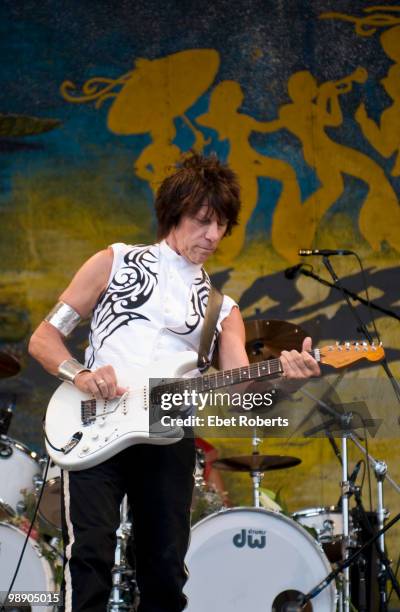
[324, 252]
[288, 601]
[293, 271]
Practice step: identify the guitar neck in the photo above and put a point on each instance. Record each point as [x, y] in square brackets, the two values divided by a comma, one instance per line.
[225, 378]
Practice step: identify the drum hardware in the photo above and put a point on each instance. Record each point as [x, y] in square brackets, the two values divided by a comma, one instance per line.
[21, 508]
[327, 525]
[380, 470]
[345, 513]
[206, 499]
[124, 592]
[7, 406]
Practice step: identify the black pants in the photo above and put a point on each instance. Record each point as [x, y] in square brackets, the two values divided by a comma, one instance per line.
[159, 483]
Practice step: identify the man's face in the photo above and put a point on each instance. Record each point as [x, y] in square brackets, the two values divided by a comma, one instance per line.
[197, 237]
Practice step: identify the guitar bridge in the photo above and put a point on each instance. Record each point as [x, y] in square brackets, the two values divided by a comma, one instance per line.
[88, 411]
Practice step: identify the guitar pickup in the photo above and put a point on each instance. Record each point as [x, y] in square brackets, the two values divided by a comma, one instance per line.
[88, 411]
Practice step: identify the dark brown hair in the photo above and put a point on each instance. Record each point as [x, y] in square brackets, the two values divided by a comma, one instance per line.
[198, 180]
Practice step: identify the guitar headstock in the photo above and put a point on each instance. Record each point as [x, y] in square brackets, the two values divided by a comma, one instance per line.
[342, 355]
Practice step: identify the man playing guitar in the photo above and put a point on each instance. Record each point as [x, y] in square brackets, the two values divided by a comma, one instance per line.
[145, 302]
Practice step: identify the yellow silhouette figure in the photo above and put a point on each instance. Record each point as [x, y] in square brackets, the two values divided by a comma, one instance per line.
[375, 17]
[385, 136]
[151, 97]
[312, 110]
[390, 41]
[224, 117]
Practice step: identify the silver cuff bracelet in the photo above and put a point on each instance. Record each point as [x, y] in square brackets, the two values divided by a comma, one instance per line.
[64, 318]
[69, 369]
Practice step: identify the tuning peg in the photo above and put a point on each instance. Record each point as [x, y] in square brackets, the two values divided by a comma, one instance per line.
[347, 345]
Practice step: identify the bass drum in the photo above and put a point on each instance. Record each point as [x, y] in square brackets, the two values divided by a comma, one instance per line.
[35, 573]
[245, 559]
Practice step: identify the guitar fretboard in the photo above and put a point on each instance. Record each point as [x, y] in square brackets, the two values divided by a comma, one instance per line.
[223, 378]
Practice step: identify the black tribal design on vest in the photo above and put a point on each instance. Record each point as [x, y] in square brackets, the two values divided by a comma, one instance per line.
[197, 306]
[130, 288]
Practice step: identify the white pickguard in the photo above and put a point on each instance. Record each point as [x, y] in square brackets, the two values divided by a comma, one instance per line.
[126, 424]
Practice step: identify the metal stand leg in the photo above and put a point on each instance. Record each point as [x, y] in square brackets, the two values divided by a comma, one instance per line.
[345, 514]
[256, 475]
[122, 594]
[380, 469]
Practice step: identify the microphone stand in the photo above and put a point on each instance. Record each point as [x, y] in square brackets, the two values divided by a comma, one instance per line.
[363, 328]
[385, 570]
[342, 565]
[375, 464]
[380, 470]
[385, 567]
[344, 420]
[345, 485]
[351, 294]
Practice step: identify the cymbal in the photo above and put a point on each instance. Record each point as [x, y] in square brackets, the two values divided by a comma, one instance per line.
[251, 463]
[266, 339]
[9, 366]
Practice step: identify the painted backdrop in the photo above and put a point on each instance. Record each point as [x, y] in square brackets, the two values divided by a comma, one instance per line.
[98, 101]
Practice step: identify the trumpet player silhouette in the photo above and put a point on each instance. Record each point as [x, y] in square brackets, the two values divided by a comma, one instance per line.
[312, 109]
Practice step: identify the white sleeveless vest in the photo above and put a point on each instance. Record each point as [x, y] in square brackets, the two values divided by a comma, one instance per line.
[154, 305]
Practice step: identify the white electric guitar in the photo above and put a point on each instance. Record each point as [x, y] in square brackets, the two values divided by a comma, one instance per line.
[82, 431]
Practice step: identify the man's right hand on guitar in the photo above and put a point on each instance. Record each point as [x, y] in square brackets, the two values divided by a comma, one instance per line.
[102, 383]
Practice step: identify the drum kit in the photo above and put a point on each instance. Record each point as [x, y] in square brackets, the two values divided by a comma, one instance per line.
[239, 558]
[255, 558]
[21, 478]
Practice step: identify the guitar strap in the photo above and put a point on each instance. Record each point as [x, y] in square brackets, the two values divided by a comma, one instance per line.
[214, 304]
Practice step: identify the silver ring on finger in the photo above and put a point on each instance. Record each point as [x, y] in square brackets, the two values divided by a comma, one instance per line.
[101, 381]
